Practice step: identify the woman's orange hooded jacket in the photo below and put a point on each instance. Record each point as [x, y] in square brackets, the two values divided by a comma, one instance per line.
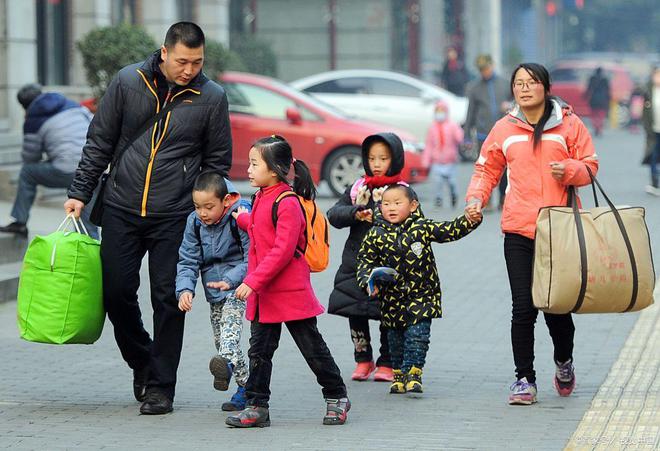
[531, 186]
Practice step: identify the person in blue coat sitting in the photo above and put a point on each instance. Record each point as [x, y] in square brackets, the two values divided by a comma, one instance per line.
[55, 127]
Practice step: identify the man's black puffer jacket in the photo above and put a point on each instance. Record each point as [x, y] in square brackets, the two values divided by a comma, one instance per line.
[154, 177]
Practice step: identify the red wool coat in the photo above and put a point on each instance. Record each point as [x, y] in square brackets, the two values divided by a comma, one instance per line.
[278, 275]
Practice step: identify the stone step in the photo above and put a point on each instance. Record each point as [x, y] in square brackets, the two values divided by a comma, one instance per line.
[9, 274]
[12, 248]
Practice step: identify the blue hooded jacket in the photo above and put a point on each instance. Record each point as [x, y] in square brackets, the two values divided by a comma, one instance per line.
[56, 126]
[213, 250]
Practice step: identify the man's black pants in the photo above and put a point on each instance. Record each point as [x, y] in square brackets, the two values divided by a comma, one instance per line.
[126, 239]
[264, 340]
[519, 256]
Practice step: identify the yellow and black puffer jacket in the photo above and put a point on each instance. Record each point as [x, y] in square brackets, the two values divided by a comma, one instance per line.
[415, 295]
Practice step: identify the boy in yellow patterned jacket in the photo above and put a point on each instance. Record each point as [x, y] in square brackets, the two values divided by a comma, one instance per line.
[401, 239]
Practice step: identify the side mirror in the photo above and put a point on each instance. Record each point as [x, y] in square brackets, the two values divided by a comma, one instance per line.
[293, 116]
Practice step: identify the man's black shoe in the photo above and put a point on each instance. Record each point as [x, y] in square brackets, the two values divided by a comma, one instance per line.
[16, 228]
[156, 403]
[140, 379]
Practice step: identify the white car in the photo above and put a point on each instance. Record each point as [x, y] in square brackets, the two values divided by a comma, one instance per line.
[388, 97]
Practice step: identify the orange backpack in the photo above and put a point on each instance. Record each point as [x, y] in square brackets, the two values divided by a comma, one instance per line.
[317, 248]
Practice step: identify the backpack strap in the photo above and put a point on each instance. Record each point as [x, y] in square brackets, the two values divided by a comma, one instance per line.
[234, 231]
[198, 234]
[276, 204]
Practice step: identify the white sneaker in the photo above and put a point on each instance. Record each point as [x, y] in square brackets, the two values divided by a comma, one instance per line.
[653, 190]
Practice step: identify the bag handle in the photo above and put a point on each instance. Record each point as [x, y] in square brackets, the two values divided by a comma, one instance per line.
[77, 223]
[582, 243]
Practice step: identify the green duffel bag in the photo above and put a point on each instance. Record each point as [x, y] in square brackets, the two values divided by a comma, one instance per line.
[60, 291]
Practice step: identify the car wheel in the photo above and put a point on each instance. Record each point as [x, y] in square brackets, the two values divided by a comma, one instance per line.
[342, 168]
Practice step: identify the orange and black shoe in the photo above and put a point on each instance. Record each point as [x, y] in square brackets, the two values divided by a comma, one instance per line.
[250, 417]
[336, 411]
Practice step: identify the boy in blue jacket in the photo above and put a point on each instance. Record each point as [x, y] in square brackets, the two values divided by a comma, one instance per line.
[213, 245]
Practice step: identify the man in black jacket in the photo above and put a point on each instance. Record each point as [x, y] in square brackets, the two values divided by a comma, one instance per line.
[148, 196]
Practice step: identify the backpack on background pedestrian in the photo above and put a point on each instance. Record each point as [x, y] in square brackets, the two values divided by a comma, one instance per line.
[441, 152]
[277, 287]
[401, 239]
[651, 121]
[214, 247]
[546, 148]
[383, 160]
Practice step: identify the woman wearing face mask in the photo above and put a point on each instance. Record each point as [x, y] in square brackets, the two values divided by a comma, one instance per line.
[441, 152]
[546, 149]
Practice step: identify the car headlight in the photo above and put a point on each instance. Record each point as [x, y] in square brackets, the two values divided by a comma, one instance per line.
[414, 147]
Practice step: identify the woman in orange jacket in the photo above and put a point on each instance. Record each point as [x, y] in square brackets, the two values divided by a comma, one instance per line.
[546, 148]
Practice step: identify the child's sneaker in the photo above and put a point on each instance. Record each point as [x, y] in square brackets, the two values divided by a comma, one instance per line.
[237, 401]
[383, 374]
[398, 382]
[564, 380]
[250, 417]
[414, 380]
[363, 370]
[336, 411]
[222, 370]
[522, 393]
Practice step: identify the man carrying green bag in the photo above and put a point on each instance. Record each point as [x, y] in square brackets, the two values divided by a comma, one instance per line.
[60, 292]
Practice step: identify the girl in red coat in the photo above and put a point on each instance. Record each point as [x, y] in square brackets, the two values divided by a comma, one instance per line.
[278, 287]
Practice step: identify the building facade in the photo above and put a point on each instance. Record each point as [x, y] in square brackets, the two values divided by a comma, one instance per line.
[38, 43]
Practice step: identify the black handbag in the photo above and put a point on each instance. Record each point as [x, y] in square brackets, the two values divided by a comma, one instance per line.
[96, 215]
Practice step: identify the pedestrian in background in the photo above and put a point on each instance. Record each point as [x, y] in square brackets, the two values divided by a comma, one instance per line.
[383, 160]
[598, 95]
[401, 240]
[216, 248]
[278, 288]
[441, 152]
[454, 75]
[489, 99]
[651, 121]
[54, 127]
[546, 149]
[147, 195]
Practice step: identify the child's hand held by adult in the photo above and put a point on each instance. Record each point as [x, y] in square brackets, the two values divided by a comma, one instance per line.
[473, 210]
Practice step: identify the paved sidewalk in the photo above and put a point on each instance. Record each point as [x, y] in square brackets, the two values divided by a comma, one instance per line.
[625, 414]
[80, 396]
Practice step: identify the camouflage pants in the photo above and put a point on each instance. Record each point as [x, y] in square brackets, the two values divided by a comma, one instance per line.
[227, 323]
